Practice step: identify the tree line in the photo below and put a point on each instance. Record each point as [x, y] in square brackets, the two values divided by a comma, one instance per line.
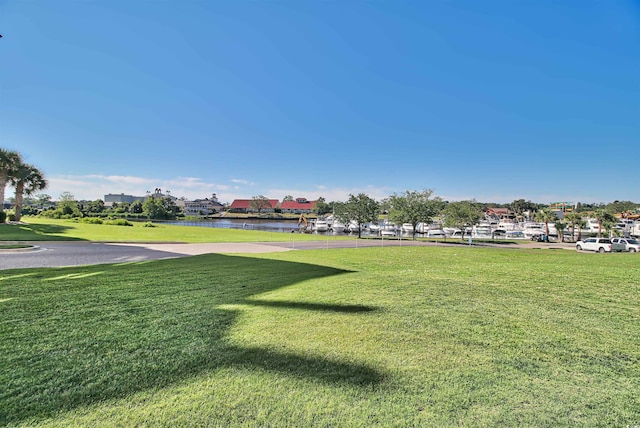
[411, 207]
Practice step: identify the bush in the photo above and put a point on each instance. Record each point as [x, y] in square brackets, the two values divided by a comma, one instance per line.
[3, 216]
[91, 220]
[148, 224]
[118, 222]
[11, 217]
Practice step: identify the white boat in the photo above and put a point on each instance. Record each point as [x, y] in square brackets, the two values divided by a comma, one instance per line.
[532, 229]
[514, 234]
[387, 232]
[388, 229]
[436, 233]
[374, 227]
[353, 226]
[337, 227]
[482, 230]
[452, 232]
[321, 225]
[508, 225]
[592, 226]
[426, 227]
[406, 228]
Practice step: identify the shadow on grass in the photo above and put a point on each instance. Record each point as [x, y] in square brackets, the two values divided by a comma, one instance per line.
[34, 232]
[104, 332]
[311, 306]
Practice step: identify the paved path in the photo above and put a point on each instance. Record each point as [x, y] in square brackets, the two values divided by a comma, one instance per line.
[58, 254]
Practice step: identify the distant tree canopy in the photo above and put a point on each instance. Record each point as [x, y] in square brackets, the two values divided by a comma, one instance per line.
[520, 206]
[621, 207]
[66, 207]
[585, 207]
[321, 207]
[462, 214]
[360, 209]
[160, 208]
[259, 203]
[413, 207]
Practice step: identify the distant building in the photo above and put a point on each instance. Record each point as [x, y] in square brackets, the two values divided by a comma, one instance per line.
[500, 213]
[562, 206]
[299, 206]
[111, 198]
[203, 206]
[244, 206]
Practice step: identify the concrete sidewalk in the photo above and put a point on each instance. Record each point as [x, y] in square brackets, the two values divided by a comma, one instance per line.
[196, 249]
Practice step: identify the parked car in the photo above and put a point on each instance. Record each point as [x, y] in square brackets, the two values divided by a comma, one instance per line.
[631, 245]
[601, 245]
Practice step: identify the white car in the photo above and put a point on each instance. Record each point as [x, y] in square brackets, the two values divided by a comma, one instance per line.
[600, 245]
[631, 245]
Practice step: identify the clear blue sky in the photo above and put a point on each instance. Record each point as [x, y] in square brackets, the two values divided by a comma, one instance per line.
[492, 100]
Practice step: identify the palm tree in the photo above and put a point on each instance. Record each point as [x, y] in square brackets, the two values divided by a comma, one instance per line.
[8, 162]
[545, 216]
[603, 217]
[26, 179]
[574, 219]
[560, 227]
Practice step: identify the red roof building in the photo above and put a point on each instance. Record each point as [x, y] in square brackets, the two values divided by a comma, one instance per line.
[500, 213]
[299, 206]
[244, 206]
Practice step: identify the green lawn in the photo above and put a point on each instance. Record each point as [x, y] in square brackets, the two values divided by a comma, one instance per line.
[413, 336]
[45, 229]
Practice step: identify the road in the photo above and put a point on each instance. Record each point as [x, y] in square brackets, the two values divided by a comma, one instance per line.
[59, 254]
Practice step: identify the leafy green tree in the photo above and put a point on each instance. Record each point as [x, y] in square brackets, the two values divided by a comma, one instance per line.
[584, 207]
[360, 209]
[413, 207]
[622, 207]
[519, 206]
[153, 208]
[9, 160]
[321, 207]
[546, 216]
[43, 200]
[259, 203]
[136, 207]
[94, 207]
[160, 208]
[288, 198]
[26, 179]
[462, 214]
[68, 206]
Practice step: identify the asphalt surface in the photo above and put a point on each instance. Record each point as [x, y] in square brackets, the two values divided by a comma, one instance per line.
[59, 254]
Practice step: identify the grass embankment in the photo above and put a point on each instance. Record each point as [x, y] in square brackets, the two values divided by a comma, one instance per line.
[13, 246]
[380, 336]
[44, 229]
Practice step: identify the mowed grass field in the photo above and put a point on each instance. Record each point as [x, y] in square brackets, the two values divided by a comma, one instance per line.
[419, 336]
[45, 229]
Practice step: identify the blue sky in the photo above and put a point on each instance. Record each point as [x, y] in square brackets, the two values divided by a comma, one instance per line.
[492, 100]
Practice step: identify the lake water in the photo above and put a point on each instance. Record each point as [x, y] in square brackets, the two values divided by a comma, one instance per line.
[270, 225]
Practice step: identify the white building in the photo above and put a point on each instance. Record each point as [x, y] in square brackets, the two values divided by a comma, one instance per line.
[205, 206]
